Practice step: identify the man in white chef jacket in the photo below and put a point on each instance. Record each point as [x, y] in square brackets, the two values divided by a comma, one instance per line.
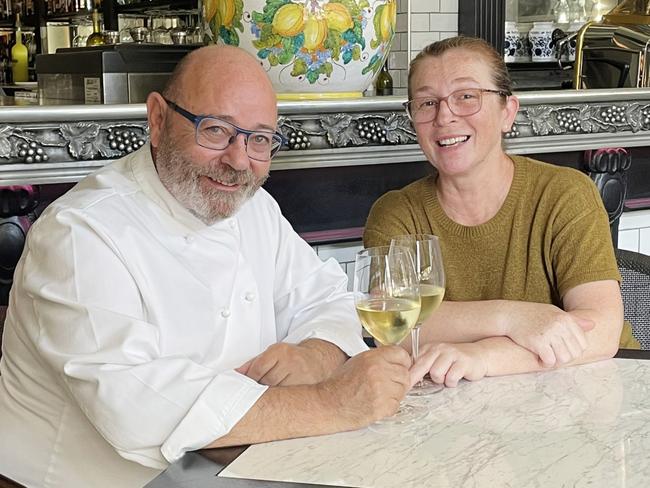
[165, 305]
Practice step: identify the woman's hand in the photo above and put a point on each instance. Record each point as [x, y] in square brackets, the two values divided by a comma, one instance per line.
[449, 363]
[556, 336]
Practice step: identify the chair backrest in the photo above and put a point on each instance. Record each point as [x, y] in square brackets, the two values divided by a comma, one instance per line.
[635, 269]
[3, 314]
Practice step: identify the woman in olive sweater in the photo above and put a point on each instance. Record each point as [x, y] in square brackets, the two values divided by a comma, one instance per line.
[532, 279]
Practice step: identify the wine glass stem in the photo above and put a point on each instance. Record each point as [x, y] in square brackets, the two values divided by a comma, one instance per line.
[415, 348]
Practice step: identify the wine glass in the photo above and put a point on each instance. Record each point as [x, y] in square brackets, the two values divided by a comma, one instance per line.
[431, 278]
[386, 296]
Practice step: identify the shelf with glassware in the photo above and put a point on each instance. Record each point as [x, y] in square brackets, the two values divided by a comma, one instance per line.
[34, 15]
[127, 6]
[158, 21]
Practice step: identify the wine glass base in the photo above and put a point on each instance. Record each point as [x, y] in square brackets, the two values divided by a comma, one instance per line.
[406, 415]
[424, 388]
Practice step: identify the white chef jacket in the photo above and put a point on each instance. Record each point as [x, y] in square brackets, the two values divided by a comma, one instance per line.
[127, 316]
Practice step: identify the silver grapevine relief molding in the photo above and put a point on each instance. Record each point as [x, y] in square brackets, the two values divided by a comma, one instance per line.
[52, 144]
[345, 130]
[70, 141]
[545, 120]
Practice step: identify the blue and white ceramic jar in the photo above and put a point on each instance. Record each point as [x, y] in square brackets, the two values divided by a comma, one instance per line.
[542, 47]
[569, 53]
[522, 53]
[510, 42]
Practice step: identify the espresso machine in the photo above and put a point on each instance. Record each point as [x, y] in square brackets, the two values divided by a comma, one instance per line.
[112, 73]
[614, 53]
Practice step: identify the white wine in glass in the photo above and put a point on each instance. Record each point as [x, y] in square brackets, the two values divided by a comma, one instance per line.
[431, 279]
[431, 297]
[388, 320]
[386, 296]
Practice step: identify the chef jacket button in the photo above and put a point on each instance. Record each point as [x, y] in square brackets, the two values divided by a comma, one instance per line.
[232, 223]
[249, 297]
[225, 313]
[189, 239]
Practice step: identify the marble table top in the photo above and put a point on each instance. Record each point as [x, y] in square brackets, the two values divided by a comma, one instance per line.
[586, 426]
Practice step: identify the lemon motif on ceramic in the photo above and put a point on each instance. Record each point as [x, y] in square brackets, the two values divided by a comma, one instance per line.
[313, 44]
[387, 15]
[289, 20]
[384, 20]
[224, 19]
[226, 12]
[338, 17]
[315, 32]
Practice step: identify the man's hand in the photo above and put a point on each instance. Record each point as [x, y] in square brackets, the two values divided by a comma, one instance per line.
[449, 363]
[368, 387]
[556, 336]
[307, 363]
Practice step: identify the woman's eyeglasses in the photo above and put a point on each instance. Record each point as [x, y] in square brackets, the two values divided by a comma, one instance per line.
[463, 102]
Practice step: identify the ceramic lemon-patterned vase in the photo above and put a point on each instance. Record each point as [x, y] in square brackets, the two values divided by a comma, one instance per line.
[310, 48]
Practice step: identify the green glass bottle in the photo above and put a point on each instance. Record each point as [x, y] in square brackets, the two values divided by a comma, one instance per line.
[19, 56]
[96, 38]
[384, 82]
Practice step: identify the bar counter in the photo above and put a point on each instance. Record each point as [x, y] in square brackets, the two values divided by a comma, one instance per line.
[585, 426]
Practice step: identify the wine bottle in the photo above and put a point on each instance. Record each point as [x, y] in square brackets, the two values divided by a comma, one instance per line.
[96, 38]
[19, 55]
[384, 82]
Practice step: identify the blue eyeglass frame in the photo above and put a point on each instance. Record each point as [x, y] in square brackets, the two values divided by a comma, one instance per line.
[197, 119]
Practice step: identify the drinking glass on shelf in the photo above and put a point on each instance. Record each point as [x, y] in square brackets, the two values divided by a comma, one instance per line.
[387, 300]
[431, 278]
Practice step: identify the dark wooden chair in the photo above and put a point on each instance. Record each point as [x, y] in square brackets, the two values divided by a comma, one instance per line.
[608, 169]
[3, 314]
[7, 483]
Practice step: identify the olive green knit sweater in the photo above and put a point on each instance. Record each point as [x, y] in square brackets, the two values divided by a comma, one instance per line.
[550, 235]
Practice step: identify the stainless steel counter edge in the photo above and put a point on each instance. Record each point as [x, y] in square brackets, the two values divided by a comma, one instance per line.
[56, 144]
[56, 113]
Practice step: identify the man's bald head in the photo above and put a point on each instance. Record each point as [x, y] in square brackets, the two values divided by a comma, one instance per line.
[217, 67]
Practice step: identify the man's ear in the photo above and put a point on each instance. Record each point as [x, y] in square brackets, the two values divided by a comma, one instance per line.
[156, 113]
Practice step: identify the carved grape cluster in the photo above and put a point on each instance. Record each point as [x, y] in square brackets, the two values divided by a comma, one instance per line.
[569, 121]
[298, 140]
[31, 152]
[613, 114]
[124, 140]
[372, 131]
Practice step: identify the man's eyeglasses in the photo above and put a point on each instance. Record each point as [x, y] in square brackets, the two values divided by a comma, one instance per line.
[215, 133]
[463, 102]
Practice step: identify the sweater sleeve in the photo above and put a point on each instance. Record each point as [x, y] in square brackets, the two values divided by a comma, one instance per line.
[582, 249]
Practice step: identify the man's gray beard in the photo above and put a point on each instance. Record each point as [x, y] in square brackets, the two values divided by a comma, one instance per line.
[180, 176]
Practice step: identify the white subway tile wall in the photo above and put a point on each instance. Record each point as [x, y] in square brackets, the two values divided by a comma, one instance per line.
[431, 20]
[634, 231]
[344, 253]
[644, 240]
[629, 239]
